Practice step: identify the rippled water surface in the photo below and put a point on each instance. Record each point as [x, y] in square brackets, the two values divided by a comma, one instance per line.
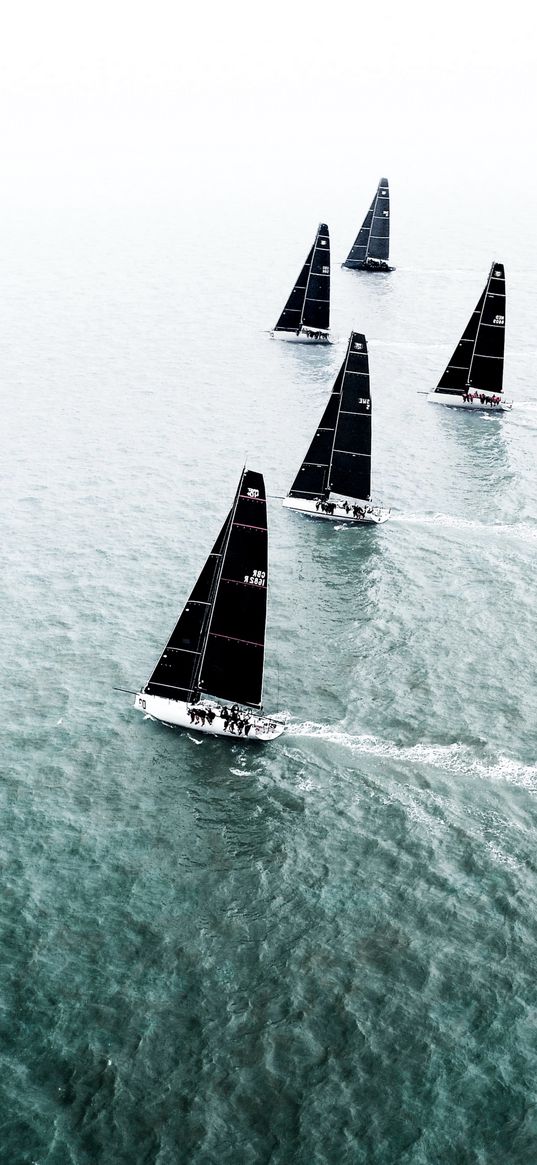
[322, 950]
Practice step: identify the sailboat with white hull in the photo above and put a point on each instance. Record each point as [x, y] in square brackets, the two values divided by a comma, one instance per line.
[218, 645]
[473, 378]
[371, 247]
[306, 315]
[334, 480]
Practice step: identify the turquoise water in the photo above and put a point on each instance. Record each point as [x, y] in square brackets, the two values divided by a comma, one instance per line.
[322, 950]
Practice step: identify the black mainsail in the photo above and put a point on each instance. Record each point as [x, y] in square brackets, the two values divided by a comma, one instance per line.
[308, 305]
[477, 362]
[339, 457]
[218, 645]
[371, 248]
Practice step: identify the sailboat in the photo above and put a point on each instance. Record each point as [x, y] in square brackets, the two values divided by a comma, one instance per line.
[371, 248]
[473, 378]
[218, 645]
[334, 480]
[306, 315]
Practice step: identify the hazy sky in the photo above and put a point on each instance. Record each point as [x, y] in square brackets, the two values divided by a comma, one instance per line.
[126, 100]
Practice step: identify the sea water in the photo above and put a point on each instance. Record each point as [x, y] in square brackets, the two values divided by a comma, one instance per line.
[324, 949]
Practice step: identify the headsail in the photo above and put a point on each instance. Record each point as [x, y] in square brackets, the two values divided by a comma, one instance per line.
[309, 302]
[175, 676]
[339, 457]
[477, 361]
[218, 644]
[373, 238]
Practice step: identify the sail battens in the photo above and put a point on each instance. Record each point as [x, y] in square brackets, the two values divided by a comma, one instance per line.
[247, 526]
[352, 453]
[235, 639]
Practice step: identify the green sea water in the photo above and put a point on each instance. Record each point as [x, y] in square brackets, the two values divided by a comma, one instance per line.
[322, 950]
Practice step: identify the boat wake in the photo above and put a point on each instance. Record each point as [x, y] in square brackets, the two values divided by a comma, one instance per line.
[522, 530]
[453, 758]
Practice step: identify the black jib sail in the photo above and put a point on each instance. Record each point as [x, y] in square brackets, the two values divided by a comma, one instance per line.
[373, 240]
[217, 646]
[339, 457]
[308, 305]
[477, 362]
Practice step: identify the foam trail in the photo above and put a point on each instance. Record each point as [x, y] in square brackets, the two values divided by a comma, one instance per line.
[522, 531]
[453, 758]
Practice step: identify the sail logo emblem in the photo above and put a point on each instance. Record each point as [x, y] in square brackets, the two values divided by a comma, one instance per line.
[499, 320]
[252, 493]
[498, 274]
[358, 347]
[323, 242]
[257, 578]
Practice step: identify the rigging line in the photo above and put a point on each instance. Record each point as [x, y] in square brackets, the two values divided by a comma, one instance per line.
[216, 582]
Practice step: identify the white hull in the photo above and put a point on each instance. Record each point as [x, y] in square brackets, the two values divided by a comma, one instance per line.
[457, 402]
[303, 337]
[376, 515]
[177, 714]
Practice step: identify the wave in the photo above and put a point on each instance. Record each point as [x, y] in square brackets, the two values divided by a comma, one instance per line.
[522, 530]
[454, 758]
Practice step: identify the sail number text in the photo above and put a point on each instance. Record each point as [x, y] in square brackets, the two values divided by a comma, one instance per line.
[257, 577]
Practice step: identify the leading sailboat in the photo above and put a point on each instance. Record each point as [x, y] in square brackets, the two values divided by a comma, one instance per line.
[473, 378]
[306, 315]
[218, 645]
[371, 247]
[334, 480]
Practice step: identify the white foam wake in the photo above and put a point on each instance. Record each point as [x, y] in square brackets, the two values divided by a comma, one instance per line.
[521, 530]
[454, 758]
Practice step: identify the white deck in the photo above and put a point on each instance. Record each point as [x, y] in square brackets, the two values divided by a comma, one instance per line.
[309, 336]
[456, 402]
[373, 515]
[177, 714]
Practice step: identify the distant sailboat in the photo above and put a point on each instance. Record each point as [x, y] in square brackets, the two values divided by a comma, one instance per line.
[218, 644]
[371, 248]
[334, 480]
[306, 315]
[473, 378]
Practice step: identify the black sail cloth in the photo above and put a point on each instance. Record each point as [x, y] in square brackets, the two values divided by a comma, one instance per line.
[217, 646]
[373, 239]
[308, 305]
[339, 457]
[477, 362]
